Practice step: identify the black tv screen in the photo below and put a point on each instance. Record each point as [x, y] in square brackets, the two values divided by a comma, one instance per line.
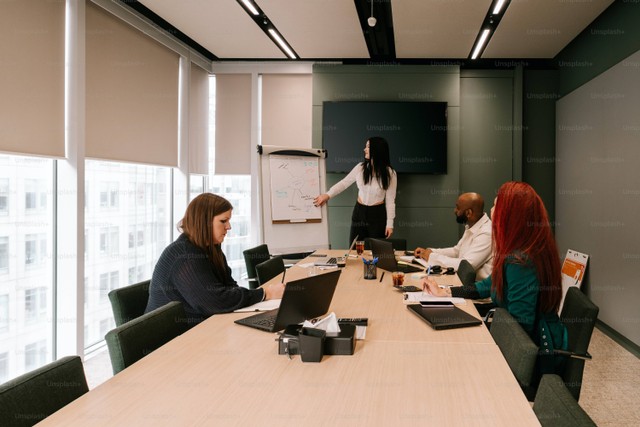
[416, 133]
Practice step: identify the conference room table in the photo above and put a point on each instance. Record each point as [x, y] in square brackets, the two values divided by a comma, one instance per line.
[403, 373]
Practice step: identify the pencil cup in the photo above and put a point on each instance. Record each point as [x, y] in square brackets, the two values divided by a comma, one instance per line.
[311, 344]
[370, 271]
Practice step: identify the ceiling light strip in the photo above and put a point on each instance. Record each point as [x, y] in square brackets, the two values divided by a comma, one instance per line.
[498, 7]
[274, 34]
[489, 25]
[249, 5]
[484, 36]
[265, 24]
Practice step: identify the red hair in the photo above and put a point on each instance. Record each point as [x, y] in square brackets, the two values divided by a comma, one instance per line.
[522, 235]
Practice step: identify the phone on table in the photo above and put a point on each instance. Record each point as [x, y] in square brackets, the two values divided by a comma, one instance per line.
[441, 304]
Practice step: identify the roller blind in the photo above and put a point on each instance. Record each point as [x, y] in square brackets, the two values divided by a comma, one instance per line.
[286, 110]
[233, 124]
[32, 77]
[198, 121]
[132, 93]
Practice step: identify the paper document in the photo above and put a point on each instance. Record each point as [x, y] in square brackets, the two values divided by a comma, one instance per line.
[413, 297]
[410, 258]
[261, 306]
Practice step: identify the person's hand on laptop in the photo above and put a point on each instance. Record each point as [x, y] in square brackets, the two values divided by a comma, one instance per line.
[273, 291]
[430, 286]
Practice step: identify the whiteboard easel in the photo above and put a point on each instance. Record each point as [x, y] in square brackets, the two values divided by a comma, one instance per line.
[290, 178]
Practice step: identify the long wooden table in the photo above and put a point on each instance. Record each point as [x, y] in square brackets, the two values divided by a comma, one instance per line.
[403, 373]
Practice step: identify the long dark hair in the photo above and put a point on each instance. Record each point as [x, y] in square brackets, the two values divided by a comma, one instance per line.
[197, 225]
[522, 234]
[378, 164]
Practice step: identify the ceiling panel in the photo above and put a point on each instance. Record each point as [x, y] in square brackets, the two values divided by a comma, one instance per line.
[541, 28]
[318, 29]
[220, 26]
[437, 28]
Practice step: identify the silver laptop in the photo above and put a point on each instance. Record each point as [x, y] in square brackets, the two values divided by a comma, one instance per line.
[303, 299]
[331, 261]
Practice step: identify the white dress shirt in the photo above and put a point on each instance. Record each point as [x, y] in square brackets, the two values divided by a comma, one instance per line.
[372, 193]
[474, 246]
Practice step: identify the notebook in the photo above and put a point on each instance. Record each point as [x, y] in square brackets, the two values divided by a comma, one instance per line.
[383, 250]
[329, 260]
[444, 318]
[303, 299]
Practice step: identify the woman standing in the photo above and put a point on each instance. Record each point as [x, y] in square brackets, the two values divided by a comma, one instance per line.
[194, 271]
[375, 208]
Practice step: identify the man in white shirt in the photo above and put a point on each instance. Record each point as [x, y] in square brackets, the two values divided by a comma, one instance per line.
[475, 244]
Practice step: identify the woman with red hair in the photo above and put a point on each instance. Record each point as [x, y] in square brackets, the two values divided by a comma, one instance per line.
[526, 267]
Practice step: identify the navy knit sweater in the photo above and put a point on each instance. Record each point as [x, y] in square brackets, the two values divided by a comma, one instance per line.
[184, 273]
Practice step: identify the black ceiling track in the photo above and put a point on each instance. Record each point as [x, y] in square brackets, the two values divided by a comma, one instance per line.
[380, 40]
[166, 26]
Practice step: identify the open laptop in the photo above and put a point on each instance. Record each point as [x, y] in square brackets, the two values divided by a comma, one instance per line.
[303, 299]
[444, 318]
[383, 250]
[330, 261]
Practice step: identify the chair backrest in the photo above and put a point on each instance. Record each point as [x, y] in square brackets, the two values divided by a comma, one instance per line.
[466, 273]
[516, 346]
[555, 406]
[253, 257]
[579, 315]
[269, 269]
[137, 338]
[397, 244]
[129, 302]
[32, 397]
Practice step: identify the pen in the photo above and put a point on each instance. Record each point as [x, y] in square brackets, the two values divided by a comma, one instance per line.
[429, 270]
[381, 276]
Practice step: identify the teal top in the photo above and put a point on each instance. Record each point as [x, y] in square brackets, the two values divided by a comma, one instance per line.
[520, 299]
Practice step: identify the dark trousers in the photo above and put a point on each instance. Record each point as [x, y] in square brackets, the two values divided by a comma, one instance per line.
[368, 221]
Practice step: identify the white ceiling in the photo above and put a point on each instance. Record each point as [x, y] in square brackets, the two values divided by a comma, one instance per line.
[423, 29]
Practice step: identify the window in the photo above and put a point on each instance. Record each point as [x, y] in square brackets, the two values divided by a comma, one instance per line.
[4, 313]
[35, 196]
[4, 254]
[138, 200]
[4, 367]
[196, 186]
[35, 355]
[4, 196]
[35, 303]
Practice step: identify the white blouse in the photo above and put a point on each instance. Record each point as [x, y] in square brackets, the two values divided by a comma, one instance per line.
[372, 193]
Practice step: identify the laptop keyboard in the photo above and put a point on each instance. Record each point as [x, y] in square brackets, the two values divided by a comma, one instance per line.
[265, 320]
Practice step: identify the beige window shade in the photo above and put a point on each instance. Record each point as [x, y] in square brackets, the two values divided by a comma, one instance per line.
[198, 121]
[286, 110]
[132, 93]
[32, 77]
[233, 124]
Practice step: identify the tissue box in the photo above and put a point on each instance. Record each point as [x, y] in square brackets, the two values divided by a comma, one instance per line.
[342, 344]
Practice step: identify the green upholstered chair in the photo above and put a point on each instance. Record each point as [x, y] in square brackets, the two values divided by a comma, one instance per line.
[129, 302]
[137, 338]
[398, 244]
[253, 257]
[30, 398]
[579, 315]
[517, 348]
[269, 269]
[555, 406]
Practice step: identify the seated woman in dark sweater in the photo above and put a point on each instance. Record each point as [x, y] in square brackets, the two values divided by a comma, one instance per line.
[194, 271]
[526, 276]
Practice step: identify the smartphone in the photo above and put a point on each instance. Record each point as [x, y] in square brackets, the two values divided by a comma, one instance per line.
[408, 252]
[443, 304]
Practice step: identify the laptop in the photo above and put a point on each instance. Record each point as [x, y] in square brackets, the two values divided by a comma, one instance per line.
[330, 261]
[444, 318]
[303, 299]
[383, 250]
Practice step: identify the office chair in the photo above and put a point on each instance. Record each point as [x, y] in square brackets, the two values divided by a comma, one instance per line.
[269, 269]
[398, 244]
[135, 339]
[555, 406]
[517, 348]
[466, 273]
[30, 398]
[579, 315]
[253, 257]
[129, 302]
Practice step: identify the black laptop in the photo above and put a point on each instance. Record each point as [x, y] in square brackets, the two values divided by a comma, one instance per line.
[383, 250]
[303, 299]
[444, 318]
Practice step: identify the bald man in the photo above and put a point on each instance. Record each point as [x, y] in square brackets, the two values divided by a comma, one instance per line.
[475, 244]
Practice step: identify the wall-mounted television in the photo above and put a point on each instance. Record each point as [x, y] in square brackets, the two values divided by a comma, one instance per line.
[416, 133]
